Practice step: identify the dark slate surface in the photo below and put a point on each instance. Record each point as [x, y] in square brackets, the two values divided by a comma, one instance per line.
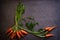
[47, 13]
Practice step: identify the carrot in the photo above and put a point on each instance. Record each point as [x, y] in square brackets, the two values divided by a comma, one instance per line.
[21, 33]
[18, 34]
[47, 28]
[9, 30]
[49, 35]
[24, 32]
[13, 35]
[50, 28]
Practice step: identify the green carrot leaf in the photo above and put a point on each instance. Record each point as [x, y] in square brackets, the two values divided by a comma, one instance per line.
[30, 18]
[19, 12]
[41, 30]
[30, 26]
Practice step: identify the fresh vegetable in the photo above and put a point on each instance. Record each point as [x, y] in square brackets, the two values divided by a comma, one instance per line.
[50, 28]
[20, 29]
[15, 29]
[10, 32]
[24, 32]
[49, 35]
[13, 32]
[21, 33]
[10, 29]
[12, 35]
[18, 34]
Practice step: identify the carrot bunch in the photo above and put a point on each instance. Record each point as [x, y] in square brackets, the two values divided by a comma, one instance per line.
[48, 29]
[16, 33]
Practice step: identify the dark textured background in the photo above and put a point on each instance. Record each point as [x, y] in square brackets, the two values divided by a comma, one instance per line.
[46, 12]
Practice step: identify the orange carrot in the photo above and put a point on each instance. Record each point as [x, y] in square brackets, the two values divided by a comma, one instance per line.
[49, 35]
[23, 31]
[18, 34]
[9, 30]
[13, 35]
[49, 28]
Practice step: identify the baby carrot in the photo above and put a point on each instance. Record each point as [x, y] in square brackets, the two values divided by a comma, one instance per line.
[49, 28]
[13, 35]
[49, 35]
[23, 31]
[18, 34]
[9, 30]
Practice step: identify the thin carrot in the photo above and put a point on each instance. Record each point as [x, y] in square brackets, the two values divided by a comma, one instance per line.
[49, 35]
[9, 30]
[13, 35]
[52, 28]
[23, 31]
[49, 28]
[18, 34]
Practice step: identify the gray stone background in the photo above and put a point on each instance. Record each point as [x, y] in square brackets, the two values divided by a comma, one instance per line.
[46, 12]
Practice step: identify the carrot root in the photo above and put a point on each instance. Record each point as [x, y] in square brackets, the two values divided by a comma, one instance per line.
[49, 35]
[23, 31]
[18, 34]
[13, 35]
[50, 28]
[9, 30]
